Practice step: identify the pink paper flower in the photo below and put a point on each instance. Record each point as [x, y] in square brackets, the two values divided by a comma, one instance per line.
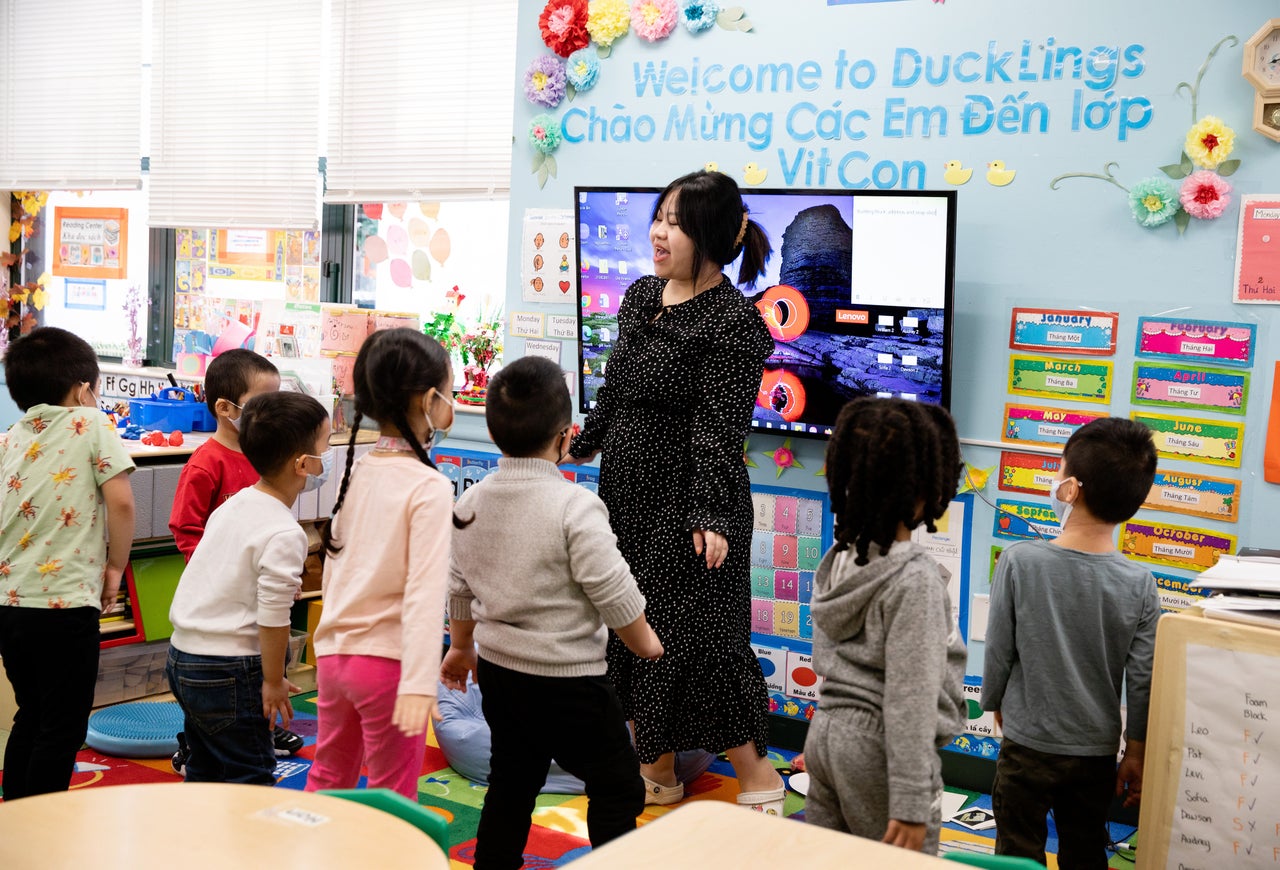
[1205, 195]
[654, 19]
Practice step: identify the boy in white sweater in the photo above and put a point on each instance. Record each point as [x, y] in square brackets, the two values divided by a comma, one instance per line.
[230, 613]
[537, 576]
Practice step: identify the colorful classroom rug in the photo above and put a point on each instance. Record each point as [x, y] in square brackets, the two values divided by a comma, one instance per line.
[559, 832]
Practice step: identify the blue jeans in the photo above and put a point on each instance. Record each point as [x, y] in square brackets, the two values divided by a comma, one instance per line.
[221, 700]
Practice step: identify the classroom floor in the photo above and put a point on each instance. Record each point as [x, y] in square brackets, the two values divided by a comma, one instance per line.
[559, 832]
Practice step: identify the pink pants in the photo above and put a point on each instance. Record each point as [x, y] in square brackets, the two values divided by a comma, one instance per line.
[357, 697]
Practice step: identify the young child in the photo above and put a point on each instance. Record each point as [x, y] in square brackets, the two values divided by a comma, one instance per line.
[885, 639]
[218, 469]
[379, 639]
[230, 613]
[1072, 621]
[66, 474]
[537, 576]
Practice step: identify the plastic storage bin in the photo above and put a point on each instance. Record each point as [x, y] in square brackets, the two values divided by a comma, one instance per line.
[172, 408]
[132, 671]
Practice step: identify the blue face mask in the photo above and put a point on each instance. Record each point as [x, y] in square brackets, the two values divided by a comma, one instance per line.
[315, 481]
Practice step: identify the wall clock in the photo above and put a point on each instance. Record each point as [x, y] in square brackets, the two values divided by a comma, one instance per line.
[1262, 71]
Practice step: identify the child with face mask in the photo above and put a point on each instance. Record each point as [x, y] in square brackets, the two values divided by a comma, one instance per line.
[231, 610]
[378, 643]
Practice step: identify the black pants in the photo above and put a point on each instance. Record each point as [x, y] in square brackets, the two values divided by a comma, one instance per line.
[1078, 789]
[576, 721]
[51, 658]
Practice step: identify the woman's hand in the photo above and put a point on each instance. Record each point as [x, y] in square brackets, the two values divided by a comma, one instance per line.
[570, 459]
[713, 544]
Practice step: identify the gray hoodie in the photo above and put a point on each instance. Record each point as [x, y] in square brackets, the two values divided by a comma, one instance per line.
[885, 640]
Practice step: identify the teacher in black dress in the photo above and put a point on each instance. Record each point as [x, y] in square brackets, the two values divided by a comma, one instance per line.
[670, 421]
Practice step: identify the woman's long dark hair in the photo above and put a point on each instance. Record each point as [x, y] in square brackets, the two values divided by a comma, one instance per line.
[393, 366]
[710, 211]
[886, 460]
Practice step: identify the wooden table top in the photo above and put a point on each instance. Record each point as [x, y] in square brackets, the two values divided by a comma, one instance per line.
[709, 833]
[206, 825]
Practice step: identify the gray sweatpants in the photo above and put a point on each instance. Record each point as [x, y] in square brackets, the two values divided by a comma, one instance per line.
[844, 754]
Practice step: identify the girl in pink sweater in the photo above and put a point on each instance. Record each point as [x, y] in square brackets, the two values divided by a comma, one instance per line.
[379, 640]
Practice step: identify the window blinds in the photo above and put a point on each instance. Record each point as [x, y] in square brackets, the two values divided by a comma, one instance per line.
[70, 94]
[235, 108]
[420, 99]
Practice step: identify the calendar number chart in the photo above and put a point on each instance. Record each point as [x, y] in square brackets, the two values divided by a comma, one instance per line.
[792, 532]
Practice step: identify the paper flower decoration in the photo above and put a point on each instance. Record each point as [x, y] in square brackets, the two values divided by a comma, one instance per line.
[564, 26]
[1205, 194]
[975, 479]
[1210, 142]
[544, 81]
[784, 457]
[1153, 201]
[607, 22]
[698, 17]
[746, 454]
[582, 69]
[544, 133]
[654, 19]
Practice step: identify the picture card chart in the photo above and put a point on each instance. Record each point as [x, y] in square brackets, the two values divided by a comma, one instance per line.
[1227, 804]
[793, 529]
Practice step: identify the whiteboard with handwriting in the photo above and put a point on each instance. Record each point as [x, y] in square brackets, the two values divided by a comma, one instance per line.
[1211, 798]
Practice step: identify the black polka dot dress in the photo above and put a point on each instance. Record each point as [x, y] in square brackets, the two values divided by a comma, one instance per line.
[670, 419]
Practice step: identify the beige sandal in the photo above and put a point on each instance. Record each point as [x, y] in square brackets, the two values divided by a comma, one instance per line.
[767, 802]
[662, 795]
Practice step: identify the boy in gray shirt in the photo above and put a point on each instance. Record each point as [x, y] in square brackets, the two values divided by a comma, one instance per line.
[1071, 621]
[536, 577]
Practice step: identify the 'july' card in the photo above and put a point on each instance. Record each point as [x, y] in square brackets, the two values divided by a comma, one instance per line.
[1027, 472]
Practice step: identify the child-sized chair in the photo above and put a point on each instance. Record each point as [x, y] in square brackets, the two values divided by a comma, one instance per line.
[993, 862]
[430, 823]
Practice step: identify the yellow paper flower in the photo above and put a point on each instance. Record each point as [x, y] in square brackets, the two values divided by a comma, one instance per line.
[608, 20]
[1210, 142]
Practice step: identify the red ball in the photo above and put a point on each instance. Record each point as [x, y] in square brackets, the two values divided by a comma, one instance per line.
[175, 438]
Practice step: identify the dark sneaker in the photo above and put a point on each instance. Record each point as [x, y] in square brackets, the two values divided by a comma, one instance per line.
[179, 760]
[287, 743]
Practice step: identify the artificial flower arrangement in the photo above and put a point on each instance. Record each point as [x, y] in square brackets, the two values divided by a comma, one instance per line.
[571, 27]
[1203, 192]
[479, 348]
[24, 211]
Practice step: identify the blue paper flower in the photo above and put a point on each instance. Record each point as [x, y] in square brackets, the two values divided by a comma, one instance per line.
[698, 16]
[582, 69]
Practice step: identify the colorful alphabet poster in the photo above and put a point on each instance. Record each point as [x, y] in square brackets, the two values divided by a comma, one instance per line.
[1258, 251]
[1190, 387]
[1214, 498]
[1049, 330]
[1078, 380]
[1047, 427]
[1016, 520]
[1193, 439]
[1208, 341]
[1175, 546]
[1027, 472]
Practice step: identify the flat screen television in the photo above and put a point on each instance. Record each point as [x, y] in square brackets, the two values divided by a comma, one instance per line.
[858, 295]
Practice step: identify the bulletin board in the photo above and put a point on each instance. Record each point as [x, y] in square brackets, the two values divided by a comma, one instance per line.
[1059, 133]
[1211, 783]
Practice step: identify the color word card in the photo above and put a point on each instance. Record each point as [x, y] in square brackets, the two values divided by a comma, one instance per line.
[1031, 473]
[1214, 498]
[1208, 441]
[1053, 331]
[1182, 387]
[1076, 380]
[791, 681]
[1047, 427]
[1208, 341]
[980, 735]
[1175, 546]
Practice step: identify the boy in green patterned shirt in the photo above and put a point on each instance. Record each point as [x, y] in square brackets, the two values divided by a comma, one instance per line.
[66, 492]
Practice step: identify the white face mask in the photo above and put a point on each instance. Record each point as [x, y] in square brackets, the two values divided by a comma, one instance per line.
[315, 481]
[235, 424]
[1060, 507]
[442, 431]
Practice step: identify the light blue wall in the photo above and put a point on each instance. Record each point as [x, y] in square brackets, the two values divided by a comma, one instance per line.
[1017, 245]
